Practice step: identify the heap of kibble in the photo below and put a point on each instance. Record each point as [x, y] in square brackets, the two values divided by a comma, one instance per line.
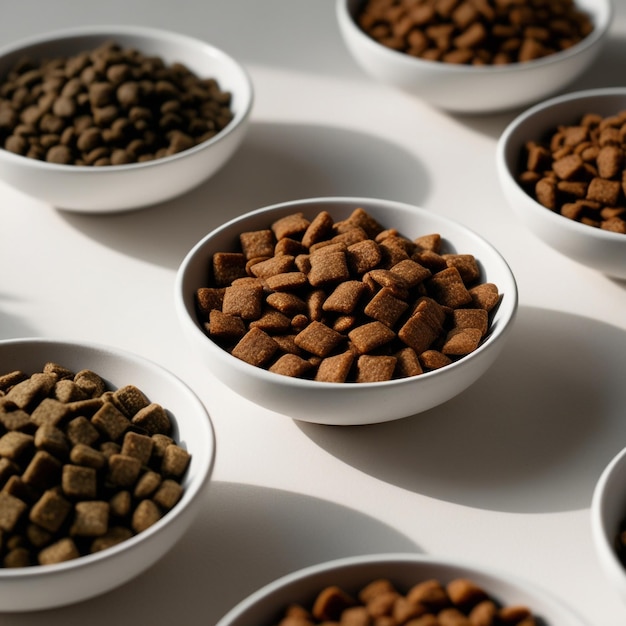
[107, 106]
[579, 171]
[460, 602]
[475, 32]
[346, 301]
[82, 468]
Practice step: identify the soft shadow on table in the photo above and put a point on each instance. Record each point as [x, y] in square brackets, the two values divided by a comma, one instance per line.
[244, 537]
[275, 163]
[608, 70]
[533, 435]
[12, 326]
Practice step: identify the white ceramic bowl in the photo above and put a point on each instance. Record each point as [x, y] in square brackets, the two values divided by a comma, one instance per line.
[265, 606]
[42, 587]
[601, 250]
[468, 89]
[345, 403]
[125, 187]
[608, 511]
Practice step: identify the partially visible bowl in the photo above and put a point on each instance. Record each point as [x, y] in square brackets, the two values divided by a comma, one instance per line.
[346, 403]
[608, 514]
[114, 188]
[46, 586]
[598, 249]
[474, 89]
[265, 606]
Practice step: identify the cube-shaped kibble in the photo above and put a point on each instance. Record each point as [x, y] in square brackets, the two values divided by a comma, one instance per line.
[112, 537]
[52, 440]
[130, 399]
[319, 229]
[272, 266]
[68, 391]
[272, 322]
[225, 327]
[385, 307]
[461, 341]
[147, 484]
[43, 471]
[17, 557]
[90, 382]
[50, 511]
[255, 347]
[411, 272]
[37, 536]
[79, 482]
[168, 494]
[175, 461]
[370, 336]
[244, 300]
[228, 266]
[110, 421]
[209, 299]
[485, 296]
[466, 264]
[91, 519]
[14, 444]
[81, 430]
[11, 510]
[160, 442]
[146, 514]
[328, 267]
[257, 243]
[407, 363]
[344, 297]
[123, 470]
[120, 504]
[137, 445]
[471, 318]
[434, 359]
[290, 365]
[63, 550]
[49, 411]
[17, 420]
[80, 454]
[335, 369]
[363, 256]
[290, 226]
[26, 394]
[371, 369]
[7, 469]
[153, 419]
[318, 339]
[448, 289]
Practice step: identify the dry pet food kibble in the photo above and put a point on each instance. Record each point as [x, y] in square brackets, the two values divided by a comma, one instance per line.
[107, 106]
[579, 171]
[82, 467]
[345, 301]
[475, 32]
[460, 602]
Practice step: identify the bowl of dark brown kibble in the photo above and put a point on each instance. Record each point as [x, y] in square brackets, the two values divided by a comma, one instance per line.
[475, 57]
[104, 460]
[345, 310]
[114, 118]
[562, 166]
[608, 522]
[395, 589]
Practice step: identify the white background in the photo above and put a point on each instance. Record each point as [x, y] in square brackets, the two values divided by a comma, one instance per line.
[502, 475]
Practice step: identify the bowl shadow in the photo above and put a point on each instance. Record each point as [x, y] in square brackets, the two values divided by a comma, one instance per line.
[245, 537]
[532, 435]
[275, 163]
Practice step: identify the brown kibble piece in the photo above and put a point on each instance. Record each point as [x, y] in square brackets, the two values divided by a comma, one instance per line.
[79, 482]
[91, 519]
[129, 399]
[138, 446]
[291, 365]
[461, 341]
[371, 369]
[11, 509]
[318, 339]
[112, 537]
[448, 288]
[330, 603]
[370, 336]
[168, 494]
[175, 461]
[50, 511]
[110, 422]
[123, 470]
[63, 550]
[255, 347]
[335, 369]
[152, 419]
[145, 515]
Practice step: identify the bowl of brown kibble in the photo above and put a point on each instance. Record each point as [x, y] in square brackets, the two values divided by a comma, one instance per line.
[395, 589]
[345, 310]
[561, 166]
[475, 57]
[608, 522]
[114, 118]
[105, 458]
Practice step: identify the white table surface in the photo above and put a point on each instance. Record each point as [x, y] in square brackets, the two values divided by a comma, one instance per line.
[502, 475]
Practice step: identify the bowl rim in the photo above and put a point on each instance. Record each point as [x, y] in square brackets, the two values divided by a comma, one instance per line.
[602, 16]
[504, 170]
[195, 489]
[247, 369]
[599, 527]
[147, 32]
[463, 566]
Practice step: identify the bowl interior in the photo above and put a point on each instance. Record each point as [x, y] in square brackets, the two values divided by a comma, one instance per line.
[265, 606]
